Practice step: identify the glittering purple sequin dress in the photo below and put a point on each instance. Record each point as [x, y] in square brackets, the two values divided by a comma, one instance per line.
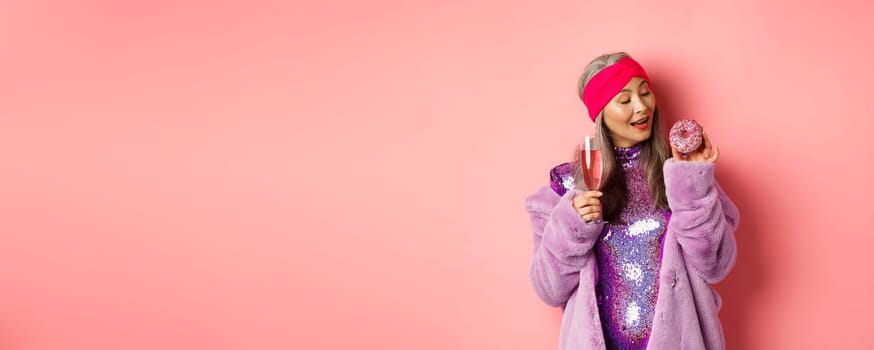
[629, 257]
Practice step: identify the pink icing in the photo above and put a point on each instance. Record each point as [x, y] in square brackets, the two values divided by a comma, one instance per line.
[685, 135]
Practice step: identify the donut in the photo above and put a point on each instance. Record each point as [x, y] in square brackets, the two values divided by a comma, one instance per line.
[686, 135]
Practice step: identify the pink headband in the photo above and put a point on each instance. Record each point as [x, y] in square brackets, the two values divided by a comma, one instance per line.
[608, 82]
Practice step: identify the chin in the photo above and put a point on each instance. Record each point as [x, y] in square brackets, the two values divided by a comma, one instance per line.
[645, 136]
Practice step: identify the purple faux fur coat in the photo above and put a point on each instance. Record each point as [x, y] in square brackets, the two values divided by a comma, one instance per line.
[699, 250]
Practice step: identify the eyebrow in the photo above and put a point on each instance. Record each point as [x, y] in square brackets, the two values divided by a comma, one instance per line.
[627, 90]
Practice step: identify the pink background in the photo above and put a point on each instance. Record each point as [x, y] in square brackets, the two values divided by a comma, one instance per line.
[263, 175]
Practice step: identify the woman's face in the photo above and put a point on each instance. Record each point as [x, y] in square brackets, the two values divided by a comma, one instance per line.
[628, 116]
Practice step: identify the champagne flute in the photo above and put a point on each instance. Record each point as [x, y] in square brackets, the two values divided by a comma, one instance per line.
[591, 163]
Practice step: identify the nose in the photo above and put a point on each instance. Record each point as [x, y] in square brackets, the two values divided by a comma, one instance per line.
[639, 106]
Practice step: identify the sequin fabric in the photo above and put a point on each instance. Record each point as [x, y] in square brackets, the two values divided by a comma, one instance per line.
[561, 178]
[629, 257]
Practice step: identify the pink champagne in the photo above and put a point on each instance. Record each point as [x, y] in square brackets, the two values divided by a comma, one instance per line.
[591, 170]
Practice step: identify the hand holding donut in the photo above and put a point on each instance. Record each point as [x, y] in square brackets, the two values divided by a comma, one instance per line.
[686, 143]
[588, 205]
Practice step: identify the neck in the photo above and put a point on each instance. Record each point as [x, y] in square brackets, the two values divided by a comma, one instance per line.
[627, 156]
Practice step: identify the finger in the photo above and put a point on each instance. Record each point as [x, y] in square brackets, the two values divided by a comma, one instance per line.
[583, 198]
[584, 201]
[707, 145]
[580, 200]
[589, 209]
[590, 217]
[715, 155]
[592, 209]
[593, 202]
[677, 154]
[581, 208]
[593, 194]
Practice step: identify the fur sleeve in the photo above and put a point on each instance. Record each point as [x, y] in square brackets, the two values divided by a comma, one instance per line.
[562, 243]
[703, 218]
